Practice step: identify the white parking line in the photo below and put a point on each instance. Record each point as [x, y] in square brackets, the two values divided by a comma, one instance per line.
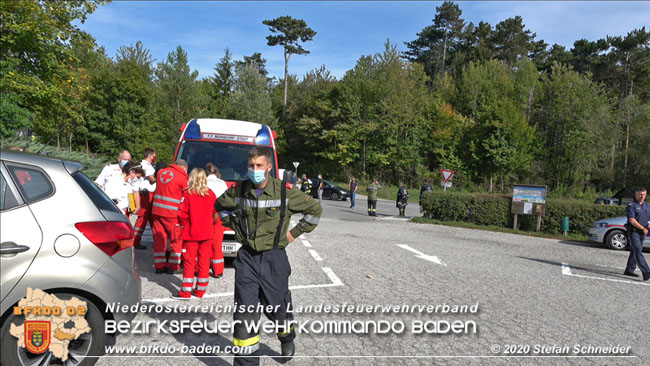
[315, 255]
[335, 280]
[328, 271]
[306, 243]
[566, 270]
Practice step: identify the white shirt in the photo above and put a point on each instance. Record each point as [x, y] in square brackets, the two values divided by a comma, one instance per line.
[117, 189]
[217, 185]
[107, 173]
[144, 182]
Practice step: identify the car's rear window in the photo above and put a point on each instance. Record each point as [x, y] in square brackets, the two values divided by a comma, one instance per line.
[99, 198]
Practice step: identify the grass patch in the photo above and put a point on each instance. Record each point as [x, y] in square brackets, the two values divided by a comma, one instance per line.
[571, 236]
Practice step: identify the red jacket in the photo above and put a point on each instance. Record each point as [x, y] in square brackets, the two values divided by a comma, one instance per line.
[196, 215]
[172, 182]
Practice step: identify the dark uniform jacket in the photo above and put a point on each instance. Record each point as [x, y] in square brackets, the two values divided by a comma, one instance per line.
[639, 212]
[264, 213]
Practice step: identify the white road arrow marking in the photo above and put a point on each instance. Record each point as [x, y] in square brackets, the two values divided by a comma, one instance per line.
[419, 254]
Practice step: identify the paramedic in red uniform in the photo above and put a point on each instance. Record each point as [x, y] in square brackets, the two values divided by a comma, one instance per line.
[147, 189]
[167, 199]
[217, 186]
[196, 216]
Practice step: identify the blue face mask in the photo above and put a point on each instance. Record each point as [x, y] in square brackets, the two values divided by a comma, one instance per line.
[123, 163]
[257, 176]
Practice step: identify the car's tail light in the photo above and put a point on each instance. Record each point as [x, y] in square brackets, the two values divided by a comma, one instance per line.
[109, 236]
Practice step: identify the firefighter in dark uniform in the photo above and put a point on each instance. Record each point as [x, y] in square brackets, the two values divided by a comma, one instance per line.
[258, 210]
[402, 199]
[306, 185]
[638, 215]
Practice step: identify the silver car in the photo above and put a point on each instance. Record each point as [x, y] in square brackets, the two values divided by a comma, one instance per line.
[61, 234]
[611, 232]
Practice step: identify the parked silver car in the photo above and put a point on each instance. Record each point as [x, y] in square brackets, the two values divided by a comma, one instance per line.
[61, 234]
[611, 232]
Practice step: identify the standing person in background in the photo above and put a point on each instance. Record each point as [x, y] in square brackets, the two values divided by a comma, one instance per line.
[425, 188]
[120, 186]
[353, 191]
[321, 184]
[306, 184]
[196, 215]
[112, 170]
[172, 182]
[147, 189]
[217, 186]
[373, 187]
[638, 215]
[402, 198]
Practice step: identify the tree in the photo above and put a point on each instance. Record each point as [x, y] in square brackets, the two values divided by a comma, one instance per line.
[436, 40]
[569, 113]
[251, 100]
[255, 58]
[37, 61]
[496, 97]
[180, 93]
[220, 86]
[512, 42]
[291, 31]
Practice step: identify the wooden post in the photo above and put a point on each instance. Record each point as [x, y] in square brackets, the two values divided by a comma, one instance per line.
[514, 225]
[539, 223]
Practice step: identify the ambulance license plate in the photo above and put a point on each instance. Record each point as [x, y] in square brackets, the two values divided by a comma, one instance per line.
[229, 248]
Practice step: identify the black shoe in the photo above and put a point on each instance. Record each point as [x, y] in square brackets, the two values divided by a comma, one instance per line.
[217, 276]
[140, 246]
[646, 276]
[630, 274]
[161, 271]
[171, 271]
[288, 350]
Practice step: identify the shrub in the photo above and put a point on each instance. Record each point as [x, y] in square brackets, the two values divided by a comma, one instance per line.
[483, 209]
[92, 165]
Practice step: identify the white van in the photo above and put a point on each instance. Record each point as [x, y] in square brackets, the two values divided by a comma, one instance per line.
[224, 143]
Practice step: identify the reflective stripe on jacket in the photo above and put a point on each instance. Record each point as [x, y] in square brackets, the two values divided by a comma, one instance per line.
[170, 185]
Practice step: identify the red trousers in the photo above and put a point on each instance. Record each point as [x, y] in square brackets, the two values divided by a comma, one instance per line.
[217, 250]
[166, 228]
[196, 254]
[144, 215]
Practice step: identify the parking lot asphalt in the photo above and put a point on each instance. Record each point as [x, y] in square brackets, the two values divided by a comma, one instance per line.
[519, 299]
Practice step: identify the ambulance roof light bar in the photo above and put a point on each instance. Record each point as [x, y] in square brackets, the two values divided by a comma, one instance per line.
[193, 131]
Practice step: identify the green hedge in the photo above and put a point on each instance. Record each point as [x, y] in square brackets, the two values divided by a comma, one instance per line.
[482, 209]
[92, 164]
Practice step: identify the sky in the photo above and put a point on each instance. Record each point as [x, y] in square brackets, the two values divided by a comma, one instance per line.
[346, 30]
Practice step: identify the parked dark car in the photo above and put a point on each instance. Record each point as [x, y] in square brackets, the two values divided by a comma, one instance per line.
[330, 190]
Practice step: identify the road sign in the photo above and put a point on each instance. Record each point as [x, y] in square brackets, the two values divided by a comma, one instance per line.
[447, 174]
[295, 164]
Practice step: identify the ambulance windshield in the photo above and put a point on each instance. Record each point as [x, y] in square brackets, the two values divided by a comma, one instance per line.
[230, 158]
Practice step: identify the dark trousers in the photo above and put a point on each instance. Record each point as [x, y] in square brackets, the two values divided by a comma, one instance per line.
[260, 278]
[372, 207]
[636, 257]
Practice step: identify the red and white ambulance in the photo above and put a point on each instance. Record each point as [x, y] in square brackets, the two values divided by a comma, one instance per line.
[226, 144]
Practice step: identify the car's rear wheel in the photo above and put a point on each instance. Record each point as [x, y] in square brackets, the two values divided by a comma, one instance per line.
[334, 196]
[80, 350]
[616, 240]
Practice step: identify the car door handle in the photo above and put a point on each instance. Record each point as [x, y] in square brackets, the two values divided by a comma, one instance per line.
[10, 247]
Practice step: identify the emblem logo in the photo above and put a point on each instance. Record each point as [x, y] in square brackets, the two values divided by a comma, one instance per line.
[37, 336]
[166, 177]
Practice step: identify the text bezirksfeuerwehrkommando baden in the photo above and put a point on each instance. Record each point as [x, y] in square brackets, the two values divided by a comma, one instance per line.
[321, 308]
